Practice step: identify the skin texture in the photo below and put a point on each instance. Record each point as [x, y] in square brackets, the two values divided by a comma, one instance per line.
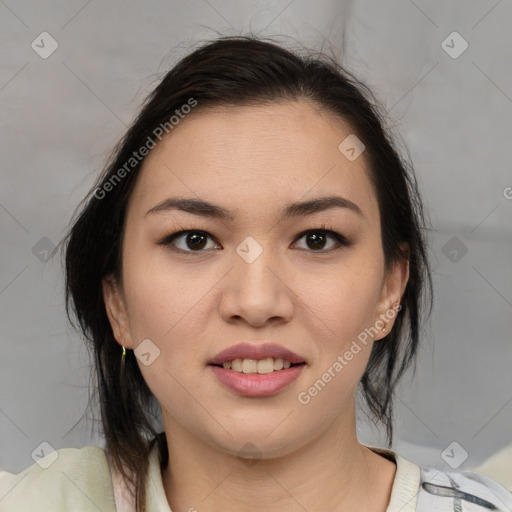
[253, 160]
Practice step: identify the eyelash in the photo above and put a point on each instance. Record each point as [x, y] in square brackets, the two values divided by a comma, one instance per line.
[342, 241]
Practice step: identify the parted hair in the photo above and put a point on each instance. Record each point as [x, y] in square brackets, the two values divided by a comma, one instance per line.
[238, 70]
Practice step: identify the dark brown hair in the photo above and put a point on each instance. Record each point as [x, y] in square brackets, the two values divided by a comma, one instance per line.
[237, 70]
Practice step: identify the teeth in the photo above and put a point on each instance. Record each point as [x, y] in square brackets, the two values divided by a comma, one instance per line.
[262, 366]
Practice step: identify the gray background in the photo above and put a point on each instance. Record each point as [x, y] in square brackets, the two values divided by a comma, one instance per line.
[60, 116]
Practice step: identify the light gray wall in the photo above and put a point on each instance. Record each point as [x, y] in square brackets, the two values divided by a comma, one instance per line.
[61, 115]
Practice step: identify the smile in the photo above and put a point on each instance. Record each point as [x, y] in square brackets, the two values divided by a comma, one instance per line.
[268, 365]
[257, 378]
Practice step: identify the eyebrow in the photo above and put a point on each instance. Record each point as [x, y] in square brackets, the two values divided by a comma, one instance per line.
[297, 209]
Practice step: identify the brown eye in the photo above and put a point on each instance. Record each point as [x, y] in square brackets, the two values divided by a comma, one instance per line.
[195, 240]
[316, 240]
[191, 241]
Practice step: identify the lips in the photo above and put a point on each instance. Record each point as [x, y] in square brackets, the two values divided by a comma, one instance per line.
[257, 352]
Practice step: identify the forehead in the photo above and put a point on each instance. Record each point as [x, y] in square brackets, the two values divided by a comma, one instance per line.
[253, 157]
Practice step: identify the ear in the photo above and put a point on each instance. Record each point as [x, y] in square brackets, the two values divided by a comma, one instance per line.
[393, 288]
[116, 310]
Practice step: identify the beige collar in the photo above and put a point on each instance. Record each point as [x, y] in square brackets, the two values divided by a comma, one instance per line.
[406, 484]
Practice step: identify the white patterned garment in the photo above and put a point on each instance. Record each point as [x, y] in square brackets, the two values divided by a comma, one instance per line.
[460, 491]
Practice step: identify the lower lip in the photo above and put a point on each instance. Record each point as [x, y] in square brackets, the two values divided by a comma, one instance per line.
[255, 384]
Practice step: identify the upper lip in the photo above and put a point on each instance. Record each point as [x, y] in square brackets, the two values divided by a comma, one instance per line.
[260, 351]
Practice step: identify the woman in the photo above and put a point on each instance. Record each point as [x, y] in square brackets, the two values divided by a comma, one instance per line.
[252, 255]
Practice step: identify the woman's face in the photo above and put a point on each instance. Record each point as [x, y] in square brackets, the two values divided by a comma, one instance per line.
[254, 277]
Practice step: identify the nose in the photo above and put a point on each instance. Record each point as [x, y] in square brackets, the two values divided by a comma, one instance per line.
[258, 293]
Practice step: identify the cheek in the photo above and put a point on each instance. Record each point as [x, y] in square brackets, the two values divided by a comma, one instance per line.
[343, 308]
[164, 303]
[343, 300]
[168, 307]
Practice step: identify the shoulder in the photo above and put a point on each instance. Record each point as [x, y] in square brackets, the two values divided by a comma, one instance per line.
[460, 490]
[75, 479]
[499, 467]
[424, 489]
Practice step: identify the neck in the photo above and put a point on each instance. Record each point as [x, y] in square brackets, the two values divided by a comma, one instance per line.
[332, 472]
